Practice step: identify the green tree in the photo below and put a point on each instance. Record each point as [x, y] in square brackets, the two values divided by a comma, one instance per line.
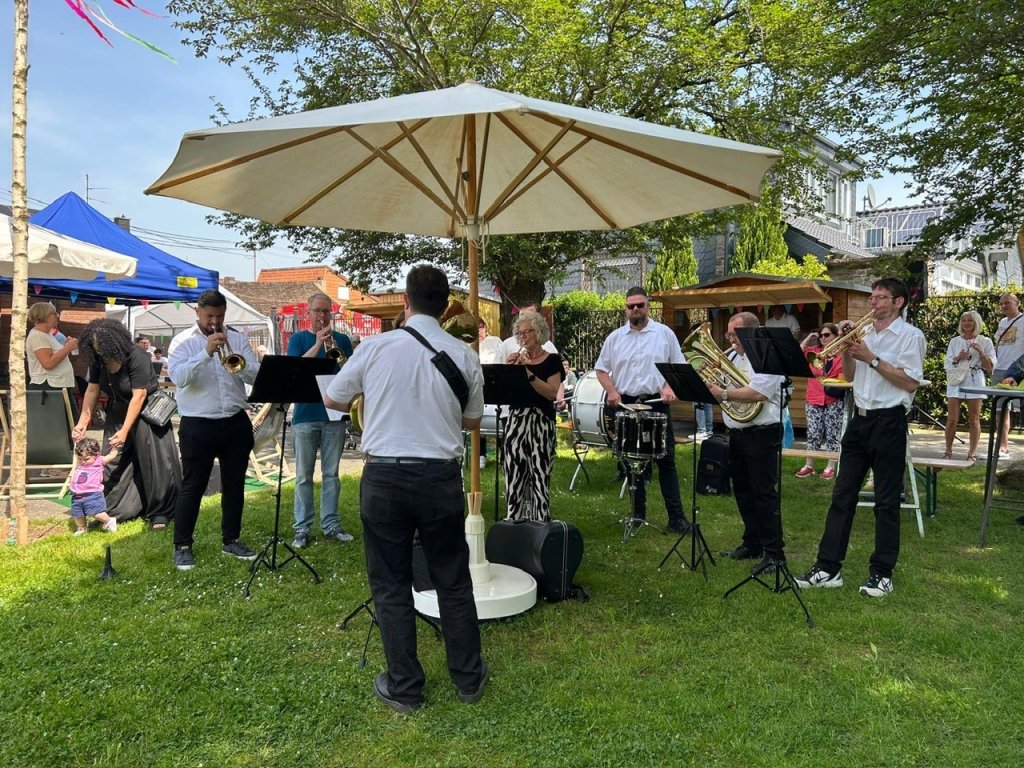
[737, 70]
[784, 265]
[760, 238]
[938, 87]
[676, 265]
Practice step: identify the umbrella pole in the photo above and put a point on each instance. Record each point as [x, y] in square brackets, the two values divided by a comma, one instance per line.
[471, 234]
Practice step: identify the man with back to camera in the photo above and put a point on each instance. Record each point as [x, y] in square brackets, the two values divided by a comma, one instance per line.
[412, 437]
[753, 450]
[1009, 341]
[215, 424]
[886, 367]
[312, 431]
[626, 370]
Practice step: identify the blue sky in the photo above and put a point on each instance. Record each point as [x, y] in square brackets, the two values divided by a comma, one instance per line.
[117, 114]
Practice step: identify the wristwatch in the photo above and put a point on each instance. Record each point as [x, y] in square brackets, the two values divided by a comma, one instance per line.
[875, 363]
[532, 377]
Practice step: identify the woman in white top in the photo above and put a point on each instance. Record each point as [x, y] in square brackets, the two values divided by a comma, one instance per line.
[969, 360]
[49, 365]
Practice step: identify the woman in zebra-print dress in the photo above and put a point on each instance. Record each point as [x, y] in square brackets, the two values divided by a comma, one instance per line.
[530, 432]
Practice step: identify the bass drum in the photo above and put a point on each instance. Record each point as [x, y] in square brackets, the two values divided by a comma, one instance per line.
[590, 426]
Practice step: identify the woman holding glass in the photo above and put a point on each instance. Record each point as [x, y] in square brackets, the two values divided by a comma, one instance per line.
[823, 409]
[970, 358]
[49, 361]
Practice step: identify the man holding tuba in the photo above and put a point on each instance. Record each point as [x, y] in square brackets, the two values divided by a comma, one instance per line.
[210, 365]
[886, 366]
[753, 450]
[313, 431]
[626, 370]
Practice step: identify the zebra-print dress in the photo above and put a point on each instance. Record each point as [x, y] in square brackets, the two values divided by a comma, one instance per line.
[530, 451]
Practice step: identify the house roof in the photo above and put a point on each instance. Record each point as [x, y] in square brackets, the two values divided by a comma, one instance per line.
[837, 242]
[270, 297]
[745, 290]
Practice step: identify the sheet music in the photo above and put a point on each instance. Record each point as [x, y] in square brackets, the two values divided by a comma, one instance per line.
[322, 382]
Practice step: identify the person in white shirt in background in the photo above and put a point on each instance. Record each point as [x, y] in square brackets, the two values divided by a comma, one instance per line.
[1009, 341]
[780, 318]
[489, 349]
[511, 346]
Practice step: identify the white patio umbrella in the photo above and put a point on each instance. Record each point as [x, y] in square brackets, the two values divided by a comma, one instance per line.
[461, 162]
[53, 256]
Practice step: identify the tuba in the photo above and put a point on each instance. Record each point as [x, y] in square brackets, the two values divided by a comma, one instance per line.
[840, 345]
[714, 367]
[458, 322]
[231, 360]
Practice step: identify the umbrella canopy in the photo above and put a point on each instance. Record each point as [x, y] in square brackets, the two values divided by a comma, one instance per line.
[55, 256]
[429, 163]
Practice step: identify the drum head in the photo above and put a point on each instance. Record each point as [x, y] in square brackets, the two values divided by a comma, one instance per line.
[589, 423]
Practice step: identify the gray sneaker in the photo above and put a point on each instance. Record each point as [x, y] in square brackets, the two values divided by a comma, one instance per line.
[338, 534]
[238, 548]
[184, 560]
[301, 540]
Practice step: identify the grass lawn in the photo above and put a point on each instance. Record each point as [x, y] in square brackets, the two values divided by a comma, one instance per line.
[160, 668]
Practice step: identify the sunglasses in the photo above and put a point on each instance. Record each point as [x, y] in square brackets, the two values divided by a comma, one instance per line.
[639, 305]
[825, 335]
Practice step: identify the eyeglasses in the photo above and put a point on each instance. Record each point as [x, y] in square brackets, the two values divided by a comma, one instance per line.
[639, 305]
[321, 311]
[881, 298]
[521, 334]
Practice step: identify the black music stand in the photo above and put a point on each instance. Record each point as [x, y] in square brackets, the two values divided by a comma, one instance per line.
[687, 385]
[284, 380]
[774, 351]
[504, 385]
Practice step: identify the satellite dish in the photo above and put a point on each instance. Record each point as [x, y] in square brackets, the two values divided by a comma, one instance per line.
[871, 197]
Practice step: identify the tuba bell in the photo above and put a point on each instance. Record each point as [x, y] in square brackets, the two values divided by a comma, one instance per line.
[231, 360]
[714, 367]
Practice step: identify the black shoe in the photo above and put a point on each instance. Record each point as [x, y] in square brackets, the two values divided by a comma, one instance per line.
[380, 690]
[681, 526]
[742, 552]
[471, 697]
[1020, 520]
[239, 549]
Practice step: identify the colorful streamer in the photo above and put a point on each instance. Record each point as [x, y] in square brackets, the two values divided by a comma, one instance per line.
[88, 10]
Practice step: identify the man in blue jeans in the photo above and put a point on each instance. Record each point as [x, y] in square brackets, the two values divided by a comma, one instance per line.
[312, 430]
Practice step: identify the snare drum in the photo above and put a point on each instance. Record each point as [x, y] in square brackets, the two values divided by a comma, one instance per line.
[641, 435]
[590, 426]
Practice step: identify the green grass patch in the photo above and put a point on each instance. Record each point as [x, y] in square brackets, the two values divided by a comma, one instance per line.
[160, 668]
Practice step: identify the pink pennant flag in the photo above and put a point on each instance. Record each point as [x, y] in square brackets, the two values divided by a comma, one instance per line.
[38, 289]
[145, 302]
[799, 307]
[760, 307]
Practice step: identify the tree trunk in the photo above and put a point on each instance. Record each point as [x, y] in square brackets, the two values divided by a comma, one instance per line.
[19, 298]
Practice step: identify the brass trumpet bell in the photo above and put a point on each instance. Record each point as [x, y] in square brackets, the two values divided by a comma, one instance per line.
[840, 345]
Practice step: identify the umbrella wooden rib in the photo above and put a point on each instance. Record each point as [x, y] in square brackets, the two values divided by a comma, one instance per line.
[652, 159]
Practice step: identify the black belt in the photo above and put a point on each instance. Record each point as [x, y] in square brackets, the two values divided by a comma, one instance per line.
[759, 428]
[875, 413]
[644, 396]
[406, 460]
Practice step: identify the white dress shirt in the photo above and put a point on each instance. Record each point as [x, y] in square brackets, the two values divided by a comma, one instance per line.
[628, 357]
[490, 350]
[900, 345]
[1009, 340]
[408, 407]
[205, 389]
[766, 384]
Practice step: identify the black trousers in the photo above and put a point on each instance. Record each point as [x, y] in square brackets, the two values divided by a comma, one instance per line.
[879, 443]
[202, 440]
[754, 467]
[668, 476]
[396, 501]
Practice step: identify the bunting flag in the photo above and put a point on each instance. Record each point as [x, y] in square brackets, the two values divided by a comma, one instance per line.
[38, 289]
[111, 300]
[177, 304]
[821, 305]
[73, 296]
[730, 308]
[144, 302]
[799, 307]
[760, 307]
[714, 312]
[87, 10]
[739, 309]
[789, 308]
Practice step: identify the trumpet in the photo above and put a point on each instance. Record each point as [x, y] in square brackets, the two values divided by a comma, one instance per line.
[331, 346]
[841, 344]
[231, 360]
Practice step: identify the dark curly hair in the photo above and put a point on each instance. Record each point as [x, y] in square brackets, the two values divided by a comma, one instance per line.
[87, 447]
[107, 340]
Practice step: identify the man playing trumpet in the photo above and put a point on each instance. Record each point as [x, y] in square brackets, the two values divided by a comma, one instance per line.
[312, 430]
[886, 367]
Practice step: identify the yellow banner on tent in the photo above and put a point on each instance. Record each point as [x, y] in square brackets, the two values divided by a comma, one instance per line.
[187, 281]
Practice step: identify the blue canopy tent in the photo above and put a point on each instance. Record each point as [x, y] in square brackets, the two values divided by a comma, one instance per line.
[160, 276]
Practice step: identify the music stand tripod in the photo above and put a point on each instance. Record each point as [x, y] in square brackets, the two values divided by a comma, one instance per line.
[505, 385]
[284, 380]
[366, 606]
[687, 385]
[774, 351]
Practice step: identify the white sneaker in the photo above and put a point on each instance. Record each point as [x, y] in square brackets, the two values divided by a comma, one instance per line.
[110, 525]
[816, 577]
[1003, 454]
[78, 532]
[876, 586]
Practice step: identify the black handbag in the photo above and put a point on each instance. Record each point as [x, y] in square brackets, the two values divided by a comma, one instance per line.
[160, 407]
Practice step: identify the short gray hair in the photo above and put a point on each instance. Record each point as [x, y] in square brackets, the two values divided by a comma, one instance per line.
[320, 295]
[40, 311]
[536, 322]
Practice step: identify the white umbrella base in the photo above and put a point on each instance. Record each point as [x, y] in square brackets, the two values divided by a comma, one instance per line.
[508, 591]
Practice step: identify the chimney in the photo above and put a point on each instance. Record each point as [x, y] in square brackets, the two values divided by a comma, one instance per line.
[123, 222]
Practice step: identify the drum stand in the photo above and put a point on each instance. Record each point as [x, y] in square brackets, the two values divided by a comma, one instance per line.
[698, 544]
[636, 468]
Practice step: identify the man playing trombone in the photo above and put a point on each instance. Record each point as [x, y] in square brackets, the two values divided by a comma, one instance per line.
[312, 430]
[210, 365]
[885, 361]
